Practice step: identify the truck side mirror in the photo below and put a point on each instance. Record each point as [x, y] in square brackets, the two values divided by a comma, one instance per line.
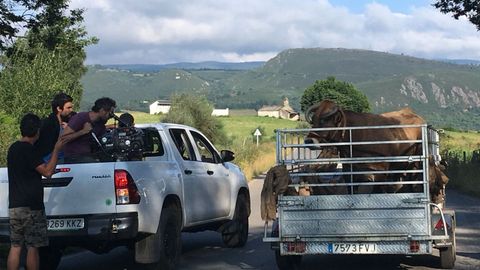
[227, 155]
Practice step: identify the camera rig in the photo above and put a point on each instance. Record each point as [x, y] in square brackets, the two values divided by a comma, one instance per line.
[123, 143]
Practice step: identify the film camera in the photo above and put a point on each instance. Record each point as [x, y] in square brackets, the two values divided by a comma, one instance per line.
[123, 143]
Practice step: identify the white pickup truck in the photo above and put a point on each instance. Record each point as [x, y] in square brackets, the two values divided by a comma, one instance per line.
[149, 184]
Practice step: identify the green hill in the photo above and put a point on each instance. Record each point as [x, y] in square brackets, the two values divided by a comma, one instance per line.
[446, 94]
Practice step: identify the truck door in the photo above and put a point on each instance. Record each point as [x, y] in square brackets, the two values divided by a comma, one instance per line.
[197, 196]
[217, 175]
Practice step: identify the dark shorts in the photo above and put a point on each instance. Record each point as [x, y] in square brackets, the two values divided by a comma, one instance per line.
[28, 227]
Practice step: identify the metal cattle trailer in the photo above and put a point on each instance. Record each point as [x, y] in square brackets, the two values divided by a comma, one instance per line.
[405, 223]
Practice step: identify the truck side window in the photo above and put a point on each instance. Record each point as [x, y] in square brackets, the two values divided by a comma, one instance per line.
[153, 143]
[206, 150]
[182, 144]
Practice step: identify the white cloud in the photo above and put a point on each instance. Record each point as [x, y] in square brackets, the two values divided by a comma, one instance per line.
[161, 31]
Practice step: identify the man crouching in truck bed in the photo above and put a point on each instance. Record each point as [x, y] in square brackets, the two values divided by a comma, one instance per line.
[28, 223]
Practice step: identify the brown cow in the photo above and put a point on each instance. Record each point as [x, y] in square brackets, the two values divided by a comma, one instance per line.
[327, 114]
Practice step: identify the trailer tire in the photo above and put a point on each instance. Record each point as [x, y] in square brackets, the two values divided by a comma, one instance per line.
[289, 262]
[235, 233]
[448, 255]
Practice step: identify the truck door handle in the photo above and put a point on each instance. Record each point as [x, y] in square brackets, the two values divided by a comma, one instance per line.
[188, 172]
[209, 172]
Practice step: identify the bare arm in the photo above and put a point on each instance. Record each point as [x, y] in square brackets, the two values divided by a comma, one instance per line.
[69, 134]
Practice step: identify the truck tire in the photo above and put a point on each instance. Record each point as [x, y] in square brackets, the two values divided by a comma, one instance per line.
[290, 262]
[169, 233]
[50, 257]
[235, 233]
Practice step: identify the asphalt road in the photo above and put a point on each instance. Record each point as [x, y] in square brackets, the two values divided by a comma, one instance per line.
[206, 251]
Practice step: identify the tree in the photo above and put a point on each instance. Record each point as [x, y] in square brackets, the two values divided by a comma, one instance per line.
[27, 85]
[48, 58]
[46, 22]
[196, 111]
[343, 93]
[459, 8]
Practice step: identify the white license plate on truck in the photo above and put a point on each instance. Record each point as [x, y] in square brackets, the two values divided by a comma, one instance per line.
[352, 248]
[63, 224]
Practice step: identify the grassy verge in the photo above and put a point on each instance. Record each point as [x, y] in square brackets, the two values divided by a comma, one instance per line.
[462, 171]
[260, 162]
[464, 177]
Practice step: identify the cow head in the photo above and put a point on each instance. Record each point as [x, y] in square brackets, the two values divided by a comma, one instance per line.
[324, 114]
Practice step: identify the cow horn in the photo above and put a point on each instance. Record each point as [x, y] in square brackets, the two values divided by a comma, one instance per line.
[326, 115]
[309, 112]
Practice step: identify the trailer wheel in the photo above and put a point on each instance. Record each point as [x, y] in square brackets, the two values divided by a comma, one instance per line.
[448, 255]
[289, 262]
[235, 233]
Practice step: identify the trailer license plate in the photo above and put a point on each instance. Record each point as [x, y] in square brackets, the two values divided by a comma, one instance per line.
[352, 248]
[63, 224]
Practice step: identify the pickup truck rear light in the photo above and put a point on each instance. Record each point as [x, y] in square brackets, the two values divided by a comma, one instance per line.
[125, 189]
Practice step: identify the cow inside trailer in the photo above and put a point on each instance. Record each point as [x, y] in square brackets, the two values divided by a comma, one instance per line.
[339, 217]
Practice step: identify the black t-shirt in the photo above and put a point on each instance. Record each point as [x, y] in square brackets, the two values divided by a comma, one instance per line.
[48, 135]
[24, 182]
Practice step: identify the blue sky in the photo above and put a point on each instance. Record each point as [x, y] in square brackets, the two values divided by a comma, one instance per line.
[165, 31]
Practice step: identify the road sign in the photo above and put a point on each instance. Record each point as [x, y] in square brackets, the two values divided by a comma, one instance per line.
[257, 134]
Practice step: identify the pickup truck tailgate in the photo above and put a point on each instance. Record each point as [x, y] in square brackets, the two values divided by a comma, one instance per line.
[78, 189]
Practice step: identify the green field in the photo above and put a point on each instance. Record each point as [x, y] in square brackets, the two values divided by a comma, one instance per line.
[242, 127]
[460, 141]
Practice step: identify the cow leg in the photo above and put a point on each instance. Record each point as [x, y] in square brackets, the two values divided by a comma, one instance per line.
[392, 188]
[367, 189]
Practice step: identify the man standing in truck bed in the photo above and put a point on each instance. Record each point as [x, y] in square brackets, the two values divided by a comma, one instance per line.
[79, 128]
[28, 223]
[52, 126]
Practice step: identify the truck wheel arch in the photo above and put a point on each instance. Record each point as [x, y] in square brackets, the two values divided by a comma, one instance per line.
[244, 191]
[173, 200]
[147, 250]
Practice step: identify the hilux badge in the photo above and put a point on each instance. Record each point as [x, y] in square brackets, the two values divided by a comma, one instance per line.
[101, 176]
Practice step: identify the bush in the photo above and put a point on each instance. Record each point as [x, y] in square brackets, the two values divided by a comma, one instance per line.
[196, 111]
[8, 133]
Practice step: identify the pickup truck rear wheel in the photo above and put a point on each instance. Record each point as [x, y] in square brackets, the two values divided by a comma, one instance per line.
[235, 233]
[50, 257]
[169, 233]
[290, 262]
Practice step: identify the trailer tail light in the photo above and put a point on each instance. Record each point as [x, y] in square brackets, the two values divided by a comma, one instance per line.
[297, 247]
[439, 225]
[125, 189]
[414, 246]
